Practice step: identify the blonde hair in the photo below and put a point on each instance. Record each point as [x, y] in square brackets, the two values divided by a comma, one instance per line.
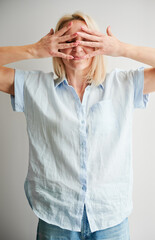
[97, 70]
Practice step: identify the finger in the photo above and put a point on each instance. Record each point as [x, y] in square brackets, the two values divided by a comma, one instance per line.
[89, 44]
[67, 45]
[62, 55]
[109, 33]
[63, 30]
[67, 37]
[51, 31]
[95, 53]
[88, 36]
[93, 32]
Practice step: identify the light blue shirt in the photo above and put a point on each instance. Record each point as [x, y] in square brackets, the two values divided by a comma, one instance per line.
[79, 152]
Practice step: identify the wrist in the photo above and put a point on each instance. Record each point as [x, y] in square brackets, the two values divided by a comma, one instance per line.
[31, 49]
[127, 50]
[123, 49]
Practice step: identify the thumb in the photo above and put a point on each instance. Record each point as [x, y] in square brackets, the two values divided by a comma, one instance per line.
[109, 33]
[51, 31]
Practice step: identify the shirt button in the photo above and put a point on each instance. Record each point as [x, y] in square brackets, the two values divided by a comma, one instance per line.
[83, 165]
[82, 121]
[83, 143]
[84, 187]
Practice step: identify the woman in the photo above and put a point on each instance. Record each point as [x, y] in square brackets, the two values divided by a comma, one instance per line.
[79, 181]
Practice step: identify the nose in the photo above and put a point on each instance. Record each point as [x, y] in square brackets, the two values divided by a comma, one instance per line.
[78, 48]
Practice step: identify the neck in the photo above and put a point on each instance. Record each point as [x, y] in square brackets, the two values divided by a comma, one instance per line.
[77, 79]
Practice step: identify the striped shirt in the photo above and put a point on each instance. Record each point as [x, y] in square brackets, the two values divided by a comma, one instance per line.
[80, 152]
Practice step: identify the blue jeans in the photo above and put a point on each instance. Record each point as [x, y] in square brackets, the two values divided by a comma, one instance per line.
[46, 231]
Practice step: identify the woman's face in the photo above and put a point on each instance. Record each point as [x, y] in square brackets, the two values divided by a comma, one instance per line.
[73, 64]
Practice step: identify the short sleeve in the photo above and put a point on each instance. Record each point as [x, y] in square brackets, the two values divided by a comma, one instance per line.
[140, 99]
[17, 100]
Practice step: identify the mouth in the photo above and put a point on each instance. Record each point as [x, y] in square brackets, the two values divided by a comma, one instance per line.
[78, 57]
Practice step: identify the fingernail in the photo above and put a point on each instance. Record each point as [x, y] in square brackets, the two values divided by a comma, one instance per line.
[69, 24]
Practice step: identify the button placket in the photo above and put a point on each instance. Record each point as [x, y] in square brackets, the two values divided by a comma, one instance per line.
[81, 113]
[83, 145]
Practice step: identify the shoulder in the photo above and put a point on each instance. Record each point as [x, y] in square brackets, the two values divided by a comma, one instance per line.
[116, 74]
[120, 74]
[35, 76]
[35, 80]
[119, 78]
[39, 73]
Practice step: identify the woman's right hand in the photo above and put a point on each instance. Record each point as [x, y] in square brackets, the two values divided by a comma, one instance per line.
[49, 45]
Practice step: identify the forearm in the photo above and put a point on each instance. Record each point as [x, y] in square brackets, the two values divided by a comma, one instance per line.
[16, 53]
[142, 54]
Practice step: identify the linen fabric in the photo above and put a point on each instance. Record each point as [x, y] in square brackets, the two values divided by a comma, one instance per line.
[79, 152]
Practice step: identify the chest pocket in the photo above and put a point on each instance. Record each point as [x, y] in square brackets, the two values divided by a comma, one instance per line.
[102, 118]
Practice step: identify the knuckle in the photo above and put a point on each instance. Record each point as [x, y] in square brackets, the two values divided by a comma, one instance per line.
[75, 44]
[75, 34]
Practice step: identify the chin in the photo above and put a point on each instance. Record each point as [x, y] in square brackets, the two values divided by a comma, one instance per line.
[80, 66]
[83, 62]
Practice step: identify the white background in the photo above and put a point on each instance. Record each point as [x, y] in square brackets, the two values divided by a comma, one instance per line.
[25, 22]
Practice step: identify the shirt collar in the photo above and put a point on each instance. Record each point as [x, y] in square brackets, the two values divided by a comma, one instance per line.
[59, 81]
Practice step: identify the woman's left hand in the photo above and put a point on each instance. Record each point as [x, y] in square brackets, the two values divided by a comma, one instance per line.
[103, 44]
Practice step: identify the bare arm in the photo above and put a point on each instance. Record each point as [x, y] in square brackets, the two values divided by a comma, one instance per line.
[48, 46]
[142, 54]
[9, 55]
[145, 55]
[111, 46]
[16, 53]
